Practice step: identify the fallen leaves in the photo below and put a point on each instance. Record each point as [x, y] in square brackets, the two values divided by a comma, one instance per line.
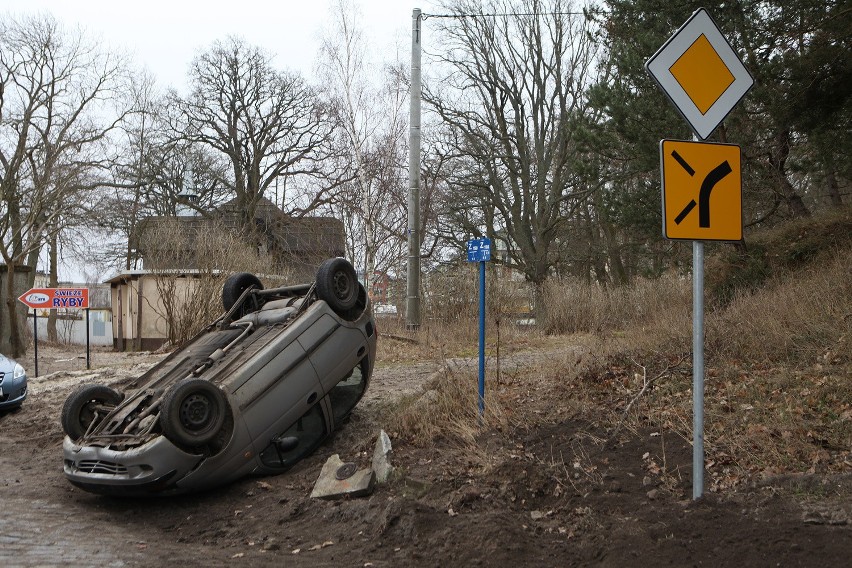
[314, 547]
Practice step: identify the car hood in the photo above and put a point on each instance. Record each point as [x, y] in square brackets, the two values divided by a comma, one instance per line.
[6, 365]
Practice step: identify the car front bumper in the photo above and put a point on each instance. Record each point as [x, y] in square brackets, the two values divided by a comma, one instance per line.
[154, 467]
[13, 391]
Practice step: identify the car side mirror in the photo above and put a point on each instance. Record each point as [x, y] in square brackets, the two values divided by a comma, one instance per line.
[286, 444]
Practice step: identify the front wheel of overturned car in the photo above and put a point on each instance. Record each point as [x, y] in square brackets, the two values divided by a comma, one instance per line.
[85, 405]
[337, 284]
[193, 412]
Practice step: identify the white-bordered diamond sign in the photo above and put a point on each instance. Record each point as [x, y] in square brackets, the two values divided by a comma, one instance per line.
[700, 72]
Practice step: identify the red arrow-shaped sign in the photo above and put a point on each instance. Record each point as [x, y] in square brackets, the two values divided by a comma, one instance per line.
[55, 298]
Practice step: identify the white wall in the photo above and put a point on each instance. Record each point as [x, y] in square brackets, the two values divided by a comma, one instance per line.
[73, 331]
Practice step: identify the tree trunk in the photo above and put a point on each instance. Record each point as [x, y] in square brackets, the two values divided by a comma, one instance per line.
[618, 272]
[833, 190]
[785, 189]
[17, 345]
[539, 305]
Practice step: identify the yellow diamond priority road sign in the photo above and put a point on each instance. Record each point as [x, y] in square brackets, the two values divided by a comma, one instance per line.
[700, 72]
[702, 191]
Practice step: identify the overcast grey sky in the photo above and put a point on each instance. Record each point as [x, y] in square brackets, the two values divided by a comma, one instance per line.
[164, 36]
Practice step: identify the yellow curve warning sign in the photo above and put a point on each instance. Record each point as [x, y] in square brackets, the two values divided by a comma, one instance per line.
[702, 191]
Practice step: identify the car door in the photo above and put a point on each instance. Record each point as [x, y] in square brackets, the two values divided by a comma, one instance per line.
[279, 392]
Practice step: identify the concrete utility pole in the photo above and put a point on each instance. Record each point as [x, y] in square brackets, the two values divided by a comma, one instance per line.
[412, 311]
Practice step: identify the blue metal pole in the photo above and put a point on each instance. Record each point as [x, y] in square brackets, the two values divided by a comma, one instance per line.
[481, 339]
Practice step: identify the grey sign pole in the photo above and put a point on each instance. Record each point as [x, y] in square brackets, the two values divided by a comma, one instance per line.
[697, 366]
[412, 301]
[697, 369]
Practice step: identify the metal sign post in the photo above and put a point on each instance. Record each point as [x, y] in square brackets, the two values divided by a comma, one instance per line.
[697, 369]
[35, 342]
[88, 327]
[479, 250]
[704, 78]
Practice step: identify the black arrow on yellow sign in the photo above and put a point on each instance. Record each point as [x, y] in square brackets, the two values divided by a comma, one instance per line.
[716, 175]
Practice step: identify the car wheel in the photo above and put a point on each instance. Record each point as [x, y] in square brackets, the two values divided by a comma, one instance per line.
[235, 285]
[193, 412]
[84, 405]
[337, 284]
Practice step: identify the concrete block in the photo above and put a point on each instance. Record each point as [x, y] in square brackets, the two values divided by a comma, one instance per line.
[330, 486]
[382, 457]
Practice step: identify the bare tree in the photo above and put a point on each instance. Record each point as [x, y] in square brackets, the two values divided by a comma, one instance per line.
[59, 103]
[510, 103]
[372, 126]
[269, 125]
[157, 173]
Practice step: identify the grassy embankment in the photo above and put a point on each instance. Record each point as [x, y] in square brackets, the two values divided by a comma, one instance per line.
[778, 353]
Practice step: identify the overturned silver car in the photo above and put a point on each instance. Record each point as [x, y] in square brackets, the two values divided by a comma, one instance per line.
[259, 389]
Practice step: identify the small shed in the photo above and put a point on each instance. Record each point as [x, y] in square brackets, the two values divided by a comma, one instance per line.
[134, 322]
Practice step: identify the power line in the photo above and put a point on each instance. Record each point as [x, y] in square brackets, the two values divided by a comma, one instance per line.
[497, 14]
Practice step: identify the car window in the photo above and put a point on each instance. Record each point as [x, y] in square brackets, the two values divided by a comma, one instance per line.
[308, 431]
[346, 394]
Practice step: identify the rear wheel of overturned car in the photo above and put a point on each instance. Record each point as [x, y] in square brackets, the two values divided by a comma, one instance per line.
[337, 284]
[235, 285]
[193, 412]
[85, 405]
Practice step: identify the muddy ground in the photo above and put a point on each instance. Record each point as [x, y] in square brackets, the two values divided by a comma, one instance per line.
[556, 494]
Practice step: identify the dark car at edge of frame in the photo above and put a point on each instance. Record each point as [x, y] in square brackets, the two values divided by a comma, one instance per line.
[13, 384]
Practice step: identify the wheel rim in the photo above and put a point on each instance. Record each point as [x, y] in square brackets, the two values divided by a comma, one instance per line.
[342, 287]
[196, 412]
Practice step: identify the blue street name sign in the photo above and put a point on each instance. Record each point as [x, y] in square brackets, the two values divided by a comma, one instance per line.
[479, 250]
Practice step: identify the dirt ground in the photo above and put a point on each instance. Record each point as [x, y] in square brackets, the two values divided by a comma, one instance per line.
[554, 494]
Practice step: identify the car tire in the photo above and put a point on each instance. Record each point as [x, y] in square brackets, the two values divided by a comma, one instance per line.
[193, 412]
[235, 285]
[81, 406]
[337, 284]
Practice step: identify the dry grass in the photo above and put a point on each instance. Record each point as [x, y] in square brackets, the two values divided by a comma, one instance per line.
[778, 398]
[574, 307]
[799, 318]
[440, 340]
[448, 412]
[450, 318]
[795, 318]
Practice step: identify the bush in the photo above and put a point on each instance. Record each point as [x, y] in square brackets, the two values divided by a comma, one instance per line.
[576, 307]
[795, 245]
[794, 317]
[190, 299]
